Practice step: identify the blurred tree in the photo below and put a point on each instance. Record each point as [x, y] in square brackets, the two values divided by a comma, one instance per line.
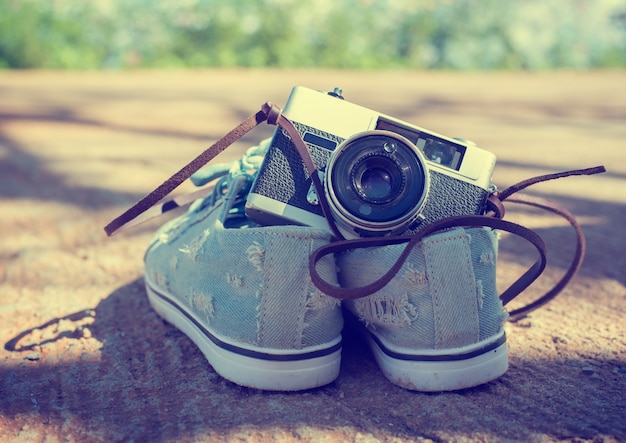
[430, 34]
[22, 28]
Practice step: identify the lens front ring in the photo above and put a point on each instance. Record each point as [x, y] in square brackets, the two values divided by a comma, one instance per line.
[376, 181]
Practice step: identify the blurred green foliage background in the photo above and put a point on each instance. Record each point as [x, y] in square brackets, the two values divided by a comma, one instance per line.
[374, 34]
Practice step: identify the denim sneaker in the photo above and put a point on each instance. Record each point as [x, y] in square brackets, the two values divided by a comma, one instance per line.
[438, 325]
[243, 295]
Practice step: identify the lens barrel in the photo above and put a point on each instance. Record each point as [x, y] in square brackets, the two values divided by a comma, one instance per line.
[376, 182]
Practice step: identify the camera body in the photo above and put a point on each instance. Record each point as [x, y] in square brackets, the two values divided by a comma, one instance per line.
[381, 175]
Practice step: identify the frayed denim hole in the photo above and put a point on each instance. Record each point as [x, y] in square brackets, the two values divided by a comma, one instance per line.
[202, 303]
[194, 248]
[256, 256]
[387, 309]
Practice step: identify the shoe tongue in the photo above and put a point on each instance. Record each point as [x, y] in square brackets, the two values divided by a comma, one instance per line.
[210, 173]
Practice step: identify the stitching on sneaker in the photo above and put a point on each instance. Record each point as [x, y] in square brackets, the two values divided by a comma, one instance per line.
[449, 333]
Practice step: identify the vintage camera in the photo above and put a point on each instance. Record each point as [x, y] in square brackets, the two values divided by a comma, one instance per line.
[381, 175]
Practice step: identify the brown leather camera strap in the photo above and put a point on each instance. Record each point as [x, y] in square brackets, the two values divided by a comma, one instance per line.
[551, 206]
[268, 112]
[492, 219]
[575, 264]
[412, 240]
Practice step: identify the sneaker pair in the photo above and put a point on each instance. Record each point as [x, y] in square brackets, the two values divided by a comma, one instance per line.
[244, 295]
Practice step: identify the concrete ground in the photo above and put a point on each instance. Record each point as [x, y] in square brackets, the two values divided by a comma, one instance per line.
[93, 362]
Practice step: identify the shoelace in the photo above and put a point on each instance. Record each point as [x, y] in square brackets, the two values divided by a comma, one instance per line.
[493, 218]
[233, 185]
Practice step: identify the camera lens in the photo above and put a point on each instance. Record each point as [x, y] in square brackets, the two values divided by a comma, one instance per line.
[374, 178]
[377, 182]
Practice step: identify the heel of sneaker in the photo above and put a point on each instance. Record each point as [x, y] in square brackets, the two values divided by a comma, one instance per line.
[245, 365]
[447, 370]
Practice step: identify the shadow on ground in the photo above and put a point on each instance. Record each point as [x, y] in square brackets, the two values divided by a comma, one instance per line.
[147, 375]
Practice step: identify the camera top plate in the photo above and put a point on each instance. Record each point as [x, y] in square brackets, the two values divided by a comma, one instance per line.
[344, 119]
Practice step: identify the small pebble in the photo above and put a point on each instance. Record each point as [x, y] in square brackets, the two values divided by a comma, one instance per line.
[33, 356]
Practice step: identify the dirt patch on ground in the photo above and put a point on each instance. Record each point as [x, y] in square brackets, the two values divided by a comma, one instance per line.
[95, 363]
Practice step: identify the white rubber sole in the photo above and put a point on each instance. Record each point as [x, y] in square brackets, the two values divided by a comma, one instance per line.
[448, 370]
[254, 367]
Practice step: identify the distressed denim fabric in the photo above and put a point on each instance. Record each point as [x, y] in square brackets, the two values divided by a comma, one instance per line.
[248, 284]
[443, 297]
